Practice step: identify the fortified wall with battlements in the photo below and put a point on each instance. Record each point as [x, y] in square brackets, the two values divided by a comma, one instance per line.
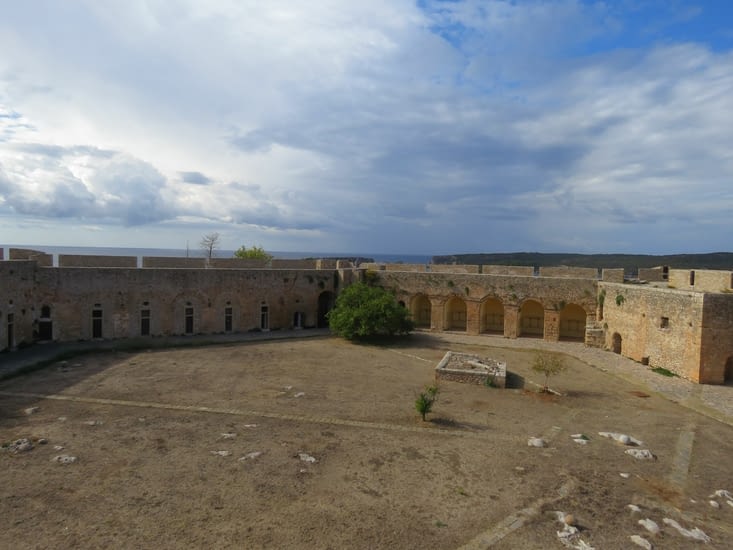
[680, 320]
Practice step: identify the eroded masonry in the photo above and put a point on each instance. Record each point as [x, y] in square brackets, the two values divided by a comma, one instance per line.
[681, 320]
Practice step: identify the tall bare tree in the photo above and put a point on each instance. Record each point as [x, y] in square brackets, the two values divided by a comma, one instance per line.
[210, 244]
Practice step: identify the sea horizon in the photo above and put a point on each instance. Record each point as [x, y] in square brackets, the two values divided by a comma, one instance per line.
[55, 251]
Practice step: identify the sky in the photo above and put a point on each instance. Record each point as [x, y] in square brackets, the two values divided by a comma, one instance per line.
[380, 126]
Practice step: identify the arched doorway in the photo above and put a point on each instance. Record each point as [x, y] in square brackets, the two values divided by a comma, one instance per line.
[420, 310]
[325, 304]
[572, 322]
[455, 314]
[492, 316]
[728, 377]
[531, 319]
[616, 343]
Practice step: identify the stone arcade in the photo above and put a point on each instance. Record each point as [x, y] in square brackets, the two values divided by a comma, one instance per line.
[681, 320]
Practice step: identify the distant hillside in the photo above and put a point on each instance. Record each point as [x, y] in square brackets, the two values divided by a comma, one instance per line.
[629, 262]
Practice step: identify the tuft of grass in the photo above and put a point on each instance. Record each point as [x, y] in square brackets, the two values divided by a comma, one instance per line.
[664, 372]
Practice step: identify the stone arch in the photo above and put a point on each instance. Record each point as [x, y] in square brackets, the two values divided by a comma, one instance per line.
[421, 309]
[531, 318]
[616, 343]
[455, 314]
[728, 373]
[492, 316]
[572, 322]
[326, 301]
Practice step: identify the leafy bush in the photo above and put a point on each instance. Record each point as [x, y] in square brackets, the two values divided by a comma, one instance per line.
[253, 253]
[364, 311]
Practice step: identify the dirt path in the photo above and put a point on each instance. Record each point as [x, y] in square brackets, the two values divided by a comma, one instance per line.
[316, 444]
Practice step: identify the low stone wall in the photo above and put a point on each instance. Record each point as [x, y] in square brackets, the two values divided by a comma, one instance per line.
[441, 268]
[80, 260]
[519, 270]
[471, 369]
[569, 272]
[615, 275]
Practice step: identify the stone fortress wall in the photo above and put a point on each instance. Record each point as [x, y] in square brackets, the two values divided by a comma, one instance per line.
[678, 321]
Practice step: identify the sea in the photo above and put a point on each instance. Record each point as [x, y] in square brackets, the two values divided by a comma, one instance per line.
[196, 253]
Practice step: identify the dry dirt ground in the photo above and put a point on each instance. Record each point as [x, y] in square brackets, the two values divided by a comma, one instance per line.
[147, 430]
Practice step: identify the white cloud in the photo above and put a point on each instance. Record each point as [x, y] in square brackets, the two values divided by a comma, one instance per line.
[437, 127]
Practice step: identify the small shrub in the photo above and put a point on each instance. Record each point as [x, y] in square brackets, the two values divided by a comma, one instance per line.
[425, 400]
[620, 299]
[489, 382]
[548, 364]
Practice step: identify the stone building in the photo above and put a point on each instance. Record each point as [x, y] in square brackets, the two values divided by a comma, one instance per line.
[677, 319]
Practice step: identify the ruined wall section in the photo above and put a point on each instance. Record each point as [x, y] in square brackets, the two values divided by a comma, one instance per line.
[717, 337]
[121, 294]
[656, 325]
[701, 280]
[17, 313]
[655, 274]
[41, 258]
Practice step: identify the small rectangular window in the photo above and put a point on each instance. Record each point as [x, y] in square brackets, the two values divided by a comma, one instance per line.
[692, 278]
[227, 319]
[97, 323]
[264, 318]
[189, 320]
[664, 322]
[145, 322]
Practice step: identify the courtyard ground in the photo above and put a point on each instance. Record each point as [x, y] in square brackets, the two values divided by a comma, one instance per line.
[315, 443]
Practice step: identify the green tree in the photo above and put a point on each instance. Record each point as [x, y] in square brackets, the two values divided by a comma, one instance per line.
[363, 311]
[252, 253]
[548, 364]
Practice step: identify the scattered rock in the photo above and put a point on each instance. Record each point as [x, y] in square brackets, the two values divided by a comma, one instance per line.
[42, 441]
[625, 475]
[306, 458]
[93, 422]
[536, 442]
[58, 447]
[221, 453]
[20, 446]
[32, 410]
[64, 459]
[714, 503]
[633, 507]
[570, 534]
[650, 525]
[299, 394]
[622, 438]
[288, 388]
[722, 493]
[250, 425]
[61, 419]
[228, 435]
[641, 541]
[694, 533]
[520, 469]
[580, 439]
[641, 454]
[251, 456]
